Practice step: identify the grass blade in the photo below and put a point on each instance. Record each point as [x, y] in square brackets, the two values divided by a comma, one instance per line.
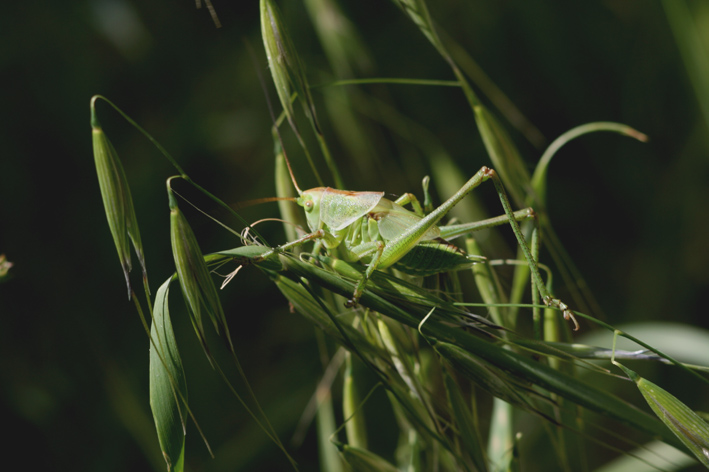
[168, 389]
[684, 423]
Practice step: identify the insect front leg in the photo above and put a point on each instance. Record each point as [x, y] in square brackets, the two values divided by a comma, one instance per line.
[364, 249]
[316, 235]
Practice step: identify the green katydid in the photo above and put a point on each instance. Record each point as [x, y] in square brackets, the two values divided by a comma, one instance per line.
[367, 227]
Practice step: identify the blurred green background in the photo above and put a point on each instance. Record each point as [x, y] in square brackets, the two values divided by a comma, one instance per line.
[74, 357]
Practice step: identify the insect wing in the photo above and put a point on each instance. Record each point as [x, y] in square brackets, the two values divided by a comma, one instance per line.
[398, 219]
[341, 208]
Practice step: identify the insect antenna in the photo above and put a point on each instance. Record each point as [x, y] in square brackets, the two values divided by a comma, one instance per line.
[258, 201]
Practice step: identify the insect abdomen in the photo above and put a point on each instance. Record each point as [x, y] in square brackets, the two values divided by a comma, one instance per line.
[433, 257]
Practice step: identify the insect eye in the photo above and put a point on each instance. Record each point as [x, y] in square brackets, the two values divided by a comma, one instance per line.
[308, 205]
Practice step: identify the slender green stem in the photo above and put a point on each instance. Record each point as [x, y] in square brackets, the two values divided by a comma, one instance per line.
[138, 127]
[391, 80]
[163, 151]
[539, 177]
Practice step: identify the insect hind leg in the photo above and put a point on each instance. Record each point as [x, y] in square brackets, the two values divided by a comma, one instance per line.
[533, 267]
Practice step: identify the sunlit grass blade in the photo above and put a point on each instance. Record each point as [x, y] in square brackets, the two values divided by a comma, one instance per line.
[501, 441]
[168, 389]
[117, 201]
[362, 460]
[648, 458]
[329, 459]
[684, 423]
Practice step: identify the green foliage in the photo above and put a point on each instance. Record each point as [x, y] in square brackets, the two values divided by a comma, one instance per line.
[417, 88]
[412, 340]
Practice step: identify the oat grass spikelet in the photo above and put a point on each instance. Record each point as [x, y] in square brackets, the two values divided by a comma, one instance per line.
[117, 201]
[197, 286]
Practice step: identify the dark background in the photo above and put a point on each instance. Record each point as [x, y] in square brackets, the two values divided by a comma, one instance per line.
[73, 354]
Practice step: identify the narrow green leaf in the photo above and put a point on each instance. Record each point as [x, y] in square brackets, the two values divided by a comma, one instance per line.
[485, 376]
[501, 441]
[418, 12]
[684, 423]
[361, 460]
[168, 389]
[117, 201]
[306, 305]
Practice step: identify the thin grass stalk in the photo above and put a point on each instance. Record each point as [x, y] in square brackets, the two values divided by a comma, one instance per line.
[355, 421]
[329, 459]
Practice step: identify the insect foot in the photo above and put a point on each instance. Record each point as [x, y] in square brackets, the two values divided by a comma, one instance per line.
[568, 314]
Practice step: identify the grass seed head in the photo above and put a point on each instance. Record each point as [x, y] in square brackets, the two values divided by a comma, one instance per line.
[197, 286]
[117, 201]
